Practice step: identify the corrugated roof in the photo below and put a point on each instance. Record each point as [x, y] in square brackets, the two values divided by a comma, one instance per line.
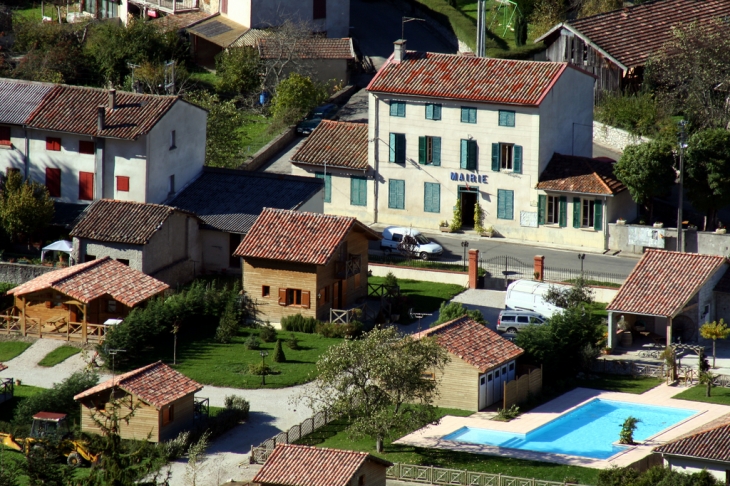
[298, 237]
[219, 30]
[230, 200]
[663, 282]
[711, 445]
[181, 20]
[91, 280]
[156, 384]
[468, 78]
[18, 99]
[473, 342]
[315, 48]
[339, 144]
[298, 465]
[570, 173]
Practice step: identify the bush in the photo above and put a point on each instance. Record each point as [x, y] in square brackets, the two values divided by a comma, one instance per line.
[59, 399]
[259, 369]
[299, 323]
[390, 280]
[229, 323]
[252, 342]
[240, 404]
[293, 342]
[453, 310]
[334, 330]
[175, 448]
[295, 96]
[267, 333]
[279, 356]
[656, 476]
[639, 114]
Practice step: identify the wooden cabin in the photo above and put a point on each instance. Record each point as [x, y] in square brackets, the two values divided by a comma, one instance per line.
[299, 465]
[164, 402]
[482, 362]
[305, 263]
[78, 303]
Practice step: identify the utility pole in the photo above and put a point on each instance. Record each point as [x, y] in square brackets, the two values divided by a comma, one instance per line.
[113, 354]
[170, 77]
[481, 28]
[682, 146]
[403, 23]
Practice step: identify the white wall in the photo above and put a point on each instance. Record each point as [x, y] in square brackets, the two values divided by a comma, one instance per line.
[690, 466]
[13, 156]
[185, 161]
[125, 158]
[314, 204]
[340, 194]
[239, 11]
[261, 14]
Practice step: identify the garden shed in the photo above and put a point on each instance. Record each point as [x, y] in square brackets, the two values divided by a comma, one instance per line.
[165, 401]
[482, 362]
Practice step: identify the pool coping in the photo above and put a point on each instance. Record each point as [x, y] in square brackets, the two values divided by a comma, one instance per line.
[432, 435]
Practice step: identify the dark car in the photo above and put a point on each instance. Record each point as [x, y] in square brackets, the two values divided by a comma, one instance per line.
[324, 112]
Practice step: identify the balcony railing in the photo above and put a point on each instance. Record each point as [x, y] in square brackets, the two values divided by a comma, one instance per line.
[352, 266]
[168, 6]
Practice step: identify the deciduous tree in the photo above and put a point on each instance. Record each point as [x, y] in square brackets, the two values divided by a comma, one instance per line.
[295, 96]
[454, 310]
[238, 70]
[25, 206]
[223, 146]
[707, 169]
[714, 330]
[573, 296]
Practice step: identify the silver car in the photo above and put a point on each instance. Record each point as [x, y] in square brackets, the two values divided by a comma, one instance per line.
[512, 321]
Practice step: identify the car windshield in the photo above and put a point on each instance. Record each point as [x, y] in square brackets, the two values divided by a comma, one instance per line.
[422, 240]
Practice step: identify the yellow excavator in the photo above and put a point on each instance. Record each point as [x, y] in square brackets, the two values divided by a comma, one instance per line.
[47, 425]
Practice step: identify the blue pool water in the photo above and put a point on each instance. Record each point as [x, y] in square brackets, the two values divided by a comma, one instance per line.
[588, 431]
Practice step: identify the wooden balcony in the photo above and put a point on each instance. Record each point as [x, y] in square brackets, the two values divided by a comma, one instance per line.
[352, 266]
[42, 322]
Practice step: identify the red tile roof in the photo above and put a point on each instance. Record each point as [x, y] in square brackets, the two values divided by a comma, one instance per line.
[663, 282]
[569, 173]
[73, 109]
[292, 236]
[315, 48]
[632, 34]
[122, 221]
[156, 384]
[473, 342]
[468, 78]
[298, 465]
[180, 21]
[339, 144]
[91, 280]
[711, 445]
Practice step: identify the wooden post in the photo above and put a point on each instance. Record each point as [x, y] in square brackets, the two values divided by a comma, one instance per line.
[22, 319]
[83, 325]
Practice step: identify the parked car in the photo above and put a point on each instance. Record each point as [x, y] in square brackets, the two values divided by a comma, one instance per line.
[528, 295]
[422, 246]
[512, 321]
[324, 112]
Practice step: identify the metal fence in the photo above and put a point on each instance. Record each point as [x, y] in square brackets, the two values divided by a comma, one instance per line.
[437, 475]
[511, 268]
[570, 275]
[261, 453]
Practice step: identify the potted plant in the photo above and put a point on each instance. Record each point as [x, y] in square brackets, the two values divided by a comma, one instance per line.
[488, 231]
[720, 230]
[621, 221]
[444, 226]
[607, 350]
[456, 221]
[478, 219]
[659, 224]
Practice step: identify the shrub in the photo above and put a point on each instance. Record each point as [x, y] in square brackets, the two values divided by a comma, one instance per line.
[259, 369]
[175, 448]
[279, 356]
[507, 414]
[240, 404]
[267, 333]
[295, 96]
[299, 323]
[453, 310]
[252, 342]
[293, 342]
[390, 280]
[639, 114]
[229, 323]
[58, 399]
[333, 330]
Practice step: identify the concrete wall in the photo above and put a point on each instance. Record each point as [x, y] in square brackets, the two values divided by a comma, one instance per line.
[703, 242]
[16, 273]
[615, 138]
[270, 149]
[216, 251]
[690, 466]
[340, 194]
[268, 13]
[440, 276]
[117, 251]
[13, 156]
[177, 240]
[124, 158]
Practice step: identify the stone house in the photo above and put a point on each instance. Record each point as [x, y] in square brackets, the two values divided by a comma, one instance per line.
[323, 59]
[305, 263]
[707, 449]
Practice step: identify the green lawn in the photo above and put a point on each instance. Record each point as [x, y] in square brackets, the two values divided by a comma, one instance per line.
[599, 309]
[58, 355]
[423, 296]
[255, 132]
[427, 264]
[621, 383]
[334, 435]
[720, 395]
[11, 349]
[7, 409]
[211, 363]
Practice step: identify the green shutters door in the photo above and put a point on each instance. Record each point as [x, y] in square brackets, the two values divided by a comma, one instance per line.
[358, 191]
[541, 208]
[396, 194]
[432, 197]
[471, 155]
[598, 215]
[327, 186]
[391, 155]
[429, 111]
[436, 148]
[464, 154]
[505, 204]
[421, 150]
[563, 217]
[436, 112]
[400, 148]
[576, 212]
[517, 159]
[495, 157]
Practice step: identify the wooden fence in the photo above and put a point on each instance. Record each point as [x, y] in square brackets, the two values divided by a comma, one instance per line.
[519, 390]
[261, 453]
[437, 475]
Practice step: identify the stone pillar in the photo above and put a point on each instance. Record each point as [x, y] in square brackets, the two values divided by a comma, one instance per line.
[611, 331]
[473, 268]
[538, 267]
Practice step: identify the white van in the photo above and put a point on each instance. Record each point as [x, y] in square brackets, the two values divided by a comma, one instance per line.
[425, 248]
[528, 295]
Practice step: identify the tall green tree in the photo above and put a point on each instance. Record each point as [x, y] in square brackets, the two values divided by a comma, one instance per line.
[238, 70]
[707, 169]
[25, 206]
[714, 330]
[377, 382]
[454, 310]
[223, 146]
[295, 96]
[647, 170]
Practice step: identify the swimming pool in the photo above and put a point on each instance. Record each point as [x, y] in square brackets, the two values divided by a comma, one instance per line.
[588, 431]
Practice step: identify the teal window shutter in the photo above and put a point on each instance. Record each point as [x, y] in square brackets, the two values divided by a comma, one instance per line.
[506, 118]
[576, 212]
[400, 148]
[398, 108]
[495, 157]
[510, 208]
[598, 215]
[471, 154]
[517, 159]
[541, 208]
[401, 108]
[393, 108]
[391, 155]
[464, 154]
[472, 115]
[468, 115]
[429, 111]
[358, 191]
[396, 194]
[505, 204]
[563, 221]
[500, 204]
[436, 112]
[327, 186]
[422, 150]
[432, 197]
[436, 148]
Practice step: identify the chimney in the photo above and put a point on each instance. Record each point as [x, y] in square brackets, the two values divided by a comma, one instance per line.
[100, 110]
[400, 51]
[112, 99]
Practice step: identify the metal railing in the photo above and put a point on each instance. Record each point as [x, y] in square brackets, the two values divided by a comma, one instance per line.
[7, 389]
[438, 475]
[201, 407]
[570, 275]
[263, 451]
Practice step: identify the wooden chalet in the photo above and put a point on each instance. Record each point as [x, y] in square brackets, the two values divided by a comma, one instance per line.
[305, 263]
[164, 402]
[78, 303]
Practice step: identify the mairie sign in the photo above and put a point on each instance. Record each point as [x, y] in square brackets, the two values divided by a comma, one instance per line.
[467, 177]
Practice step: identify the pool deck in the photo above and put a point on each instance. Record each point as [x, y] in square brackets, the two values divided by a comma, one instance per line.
[431, 436]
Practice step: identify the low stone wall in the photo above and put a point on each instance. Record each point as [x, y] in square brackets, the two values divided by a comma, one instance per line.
[703, 242]
[614, 138]
[440, 276]
[270, 149]
[18, 273]
[343, 95]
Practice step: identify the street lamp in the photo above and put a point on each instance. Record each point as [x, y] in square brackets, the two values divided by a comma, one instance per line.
[403, 23]
[682, 146]
[581, 257]
[465, 245]
[263, 354]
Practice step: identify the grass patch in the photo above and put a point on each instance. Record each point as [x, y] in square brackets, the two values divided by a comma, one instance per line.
[620, 383]
[7, 409]
[423, 296]
[402, 262]
[334, 435]
[255, 132]
[212, 363]
[11, 349]
[599, 309]
[61, 353]
[720, 395]
[597, 283]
